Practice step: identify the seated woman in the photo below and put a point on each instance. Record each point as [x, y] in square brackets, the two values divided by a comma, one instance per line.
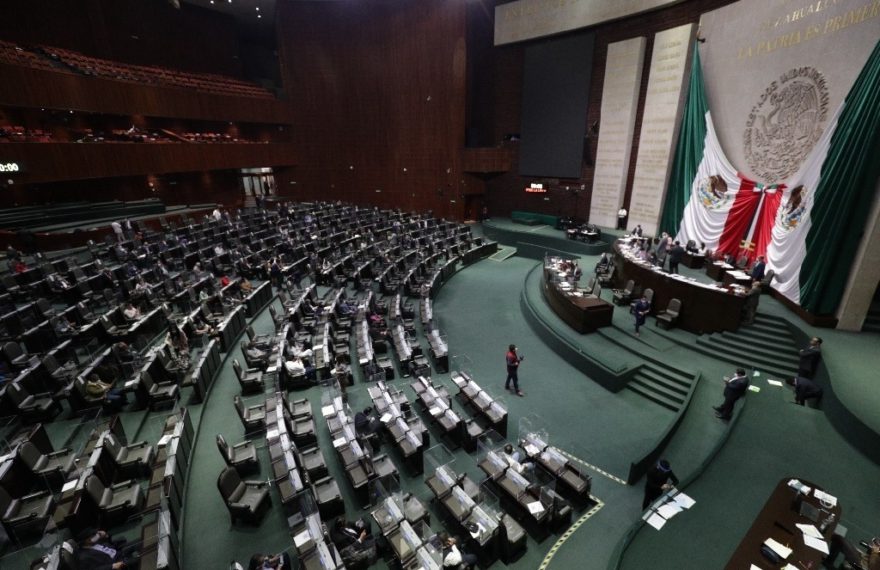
[245, 286]
[113, 397]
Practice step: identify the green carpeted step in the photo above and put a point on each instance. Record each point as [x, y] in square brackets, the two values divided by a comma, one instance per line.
[658, 394]
[783, 343]
[739, 358]
[778, 354]
[663, 378]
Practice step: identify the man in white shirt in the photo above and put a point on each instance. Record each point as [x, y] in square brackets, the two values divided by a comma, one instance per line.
[117, 229]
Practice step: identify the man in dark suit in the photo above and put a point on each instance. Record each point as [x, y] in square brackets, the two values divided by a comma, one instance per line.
[804, 389]
[758, 269]
[810, 358]
[98, 551]
[734, 389]
[675, 255]
[658, 479]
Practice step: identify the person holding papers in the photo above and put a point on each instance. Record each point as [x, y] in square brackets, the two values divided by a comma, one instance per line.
[659, 479]
[734, 389]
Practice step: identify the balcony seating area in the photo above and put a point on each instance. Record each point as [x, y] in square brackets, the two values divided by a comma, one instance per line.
[64, 60]
[153, 75]
[18, 133]
[132, 135]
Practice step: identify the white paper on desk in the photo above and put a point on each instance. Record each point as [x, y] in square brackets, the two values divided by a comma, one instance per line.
[163, 441]
[753, 567]
[434, 411]
[774, 382]
[386, 417]
[809, 530]
[301, 538]
[754, 389]
[656, 521]
[756, 373]
[684, 501]
[790, 566]
[339, 442]
[69, 485]
[783, 551]
[669, 510]
[799, 487]
[536, 507]
[328, 411]
[531, 449]
[272, 433]
[825, 497]
[816, 543]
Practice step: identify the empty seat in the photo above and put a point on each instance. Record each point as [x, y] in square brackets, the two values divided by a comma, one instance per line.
[25, 515]
[132, 460]
[15, 355]
[157, 394]
[623, 296]
[246, 500]
[253, 418]
[300, 408]
[312, 461]
[32, 407]
[250, 380]
[116, 503]
[242, 456]
[668, 318]
[261, 341]
[304, 432]
[328, 497]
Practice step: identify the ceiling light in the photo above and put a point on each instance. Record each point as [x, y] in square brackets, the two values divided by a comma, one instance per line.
[258, 8]
[259, 16]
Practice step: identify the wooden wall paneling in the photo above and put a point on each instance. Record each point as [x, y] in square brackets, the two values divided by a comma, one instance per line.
[383, 90]
[44, 162]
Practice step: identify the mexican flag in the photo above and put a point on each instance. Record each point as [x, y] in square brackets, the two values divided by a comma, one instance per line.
[809, 227]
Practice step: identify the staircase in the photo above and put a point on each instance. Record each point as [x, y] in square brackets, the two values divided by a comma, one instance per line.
[664, 386]
[766, 345]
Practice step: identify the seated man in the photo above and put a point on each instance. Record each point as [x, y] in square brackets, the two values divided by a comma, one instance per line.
[300, 367]
[97, 550]
[453, 557]
[365, 423]
[113, 397]
[514, 460]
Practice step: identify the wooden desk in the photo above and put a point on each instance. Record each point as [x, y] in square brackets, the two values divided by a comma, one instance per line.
[583, 314]
[693, 260]
[704, 309]
[777, 521]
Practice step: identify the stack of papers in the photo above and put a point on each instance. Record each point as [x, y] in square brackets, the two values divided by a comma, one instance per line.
[780, 549]
[799, 487]
[328, 410]
[816, 543]
[754, 389]
[656, 521]
[825, 498]
[783, 551]
[774, 382]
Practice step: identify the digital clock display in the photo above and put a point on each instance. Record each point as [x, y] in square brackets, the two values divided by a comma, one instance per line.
[9, 167]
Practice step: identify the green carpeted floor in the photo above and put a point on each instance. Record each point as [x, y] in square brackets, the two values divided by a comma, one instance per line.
[479, 312]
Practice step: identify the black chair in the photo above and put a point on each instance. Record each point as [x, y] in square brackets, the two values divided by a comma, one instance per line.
[32, 407]
[27, 515]
[253, 418]
[54, 466]
[623, 296]
[15, 355]
[667, 319]
[242, 456]
[250, 380]
[246, 500]
[117, 503]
